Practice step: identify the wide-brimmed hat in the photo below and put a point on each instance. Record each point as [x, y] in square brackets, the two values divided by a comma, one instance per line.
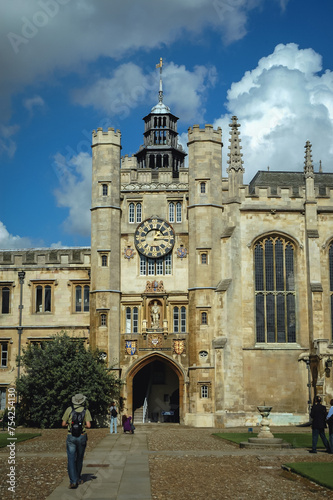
[78, 399]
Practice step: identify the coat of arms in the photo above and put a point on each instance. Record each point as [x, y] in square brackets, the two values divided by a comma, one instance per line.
[181, 252]
[130, 347]
[154, 341]
[179, 346]
[128, 253]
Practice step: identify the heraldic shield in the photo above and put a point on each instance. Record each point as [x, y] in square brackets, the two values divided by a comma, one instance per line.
[179, 346]
[130, 347]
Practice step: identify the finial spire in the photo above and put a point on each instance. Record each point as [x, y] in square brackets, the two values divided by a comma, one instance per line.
[235, 156]
[160, 93]
[308, 164]
[320, 167]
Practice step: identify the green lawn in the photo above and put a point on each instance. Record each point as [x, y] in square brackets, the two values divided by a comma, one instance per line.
[297, 440]
[4, 441]
[320, 473]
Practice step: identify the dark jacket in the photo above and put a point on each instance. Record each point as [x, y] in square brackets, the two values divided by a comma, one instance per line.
[318, 415]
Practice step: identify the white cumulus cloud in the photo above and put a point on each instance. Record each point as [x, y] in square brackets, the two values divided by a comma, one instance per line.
[283, 102]
[9, 241]
[41, 37]
[74, 192]
[128, 86]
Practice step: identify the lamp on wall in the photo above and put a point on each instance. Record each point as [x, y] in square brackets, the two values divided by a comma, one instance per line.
[328, 363]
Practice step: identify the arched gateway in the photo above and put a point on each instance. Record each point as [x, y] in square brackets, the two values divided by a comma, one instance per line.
[154, 390]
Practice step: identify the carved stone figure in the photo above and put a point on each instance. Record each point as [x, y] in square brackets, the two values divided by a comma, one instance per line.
[155, 315]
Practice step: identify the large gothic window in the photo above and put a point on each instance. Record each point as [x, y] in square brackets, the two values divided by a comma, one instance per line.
[275, 290]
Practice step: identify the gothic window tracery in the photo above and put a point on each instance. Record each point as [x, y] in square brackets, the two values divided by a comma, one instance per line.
[275, 290]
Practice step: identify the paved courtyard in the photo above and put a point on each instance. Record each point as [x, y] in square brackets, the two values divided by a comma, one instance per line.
[160, 461]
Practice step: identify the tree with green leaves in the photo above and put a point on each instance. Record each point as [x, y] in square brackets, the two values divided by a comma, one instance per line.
[54, 372]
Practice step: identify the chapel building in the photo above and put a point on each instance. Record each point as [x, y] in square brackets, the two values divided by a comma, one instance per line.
[207, 296]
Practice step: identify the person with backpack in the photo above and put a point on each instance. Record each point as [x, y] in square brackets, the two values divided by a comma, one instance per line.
[113, 417]
[77, 419]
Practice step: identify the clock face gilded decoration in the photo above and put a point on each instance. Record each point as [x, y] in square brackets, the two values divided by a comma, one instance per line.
[154, 237]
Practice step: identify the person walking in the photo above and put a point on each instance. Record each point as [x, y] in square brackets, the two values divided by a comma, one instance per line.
[318, 415]
[329, 420]
[77, 419]
[113, 417]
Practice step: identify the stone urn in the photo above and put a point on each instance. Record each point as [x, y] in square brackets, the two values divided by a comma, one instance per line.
[264, 430]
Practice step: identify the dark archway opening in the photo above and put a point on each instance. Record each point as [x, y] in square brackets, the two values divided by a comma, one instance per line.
[156, 393]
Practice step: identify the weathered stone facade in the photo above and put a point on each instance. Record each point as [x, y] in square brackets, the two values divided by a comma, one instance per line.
[207, 296]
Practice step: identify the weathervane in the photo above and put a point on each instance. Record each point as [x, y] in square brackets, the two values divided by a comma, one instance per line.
[160, 93]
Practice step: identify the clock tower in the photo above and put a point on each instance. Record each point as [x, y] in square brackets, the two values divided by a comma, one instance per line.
[160, 149]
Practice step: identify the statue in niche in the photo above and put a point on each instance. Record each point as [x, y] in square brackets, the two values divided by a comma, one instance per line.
[155, 315]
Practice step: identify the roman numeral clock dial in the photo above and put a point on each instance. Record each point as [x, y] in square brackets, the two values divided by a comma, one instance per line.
[154, 237]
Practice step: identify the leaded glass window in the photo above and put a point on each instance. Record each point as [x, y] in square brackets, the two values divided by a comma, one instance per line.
[275, 290]
[155, 267]
[138, 212]
[171, 212]
[178, 212]
[131, 212]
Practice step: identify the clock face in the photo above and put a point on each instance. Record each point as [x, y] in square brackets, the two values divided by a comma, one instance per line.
[154, 237]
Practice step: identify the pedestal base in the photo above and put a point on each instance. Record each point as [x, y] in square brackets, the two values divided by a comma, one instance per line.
[265, 443]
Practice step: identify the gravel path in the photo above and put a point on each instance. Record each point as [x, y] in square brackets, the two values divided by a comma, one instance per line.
[185, 463]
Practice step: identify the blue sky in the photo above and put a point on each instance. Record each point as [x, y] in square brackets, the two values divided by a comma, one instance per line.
[70, 66]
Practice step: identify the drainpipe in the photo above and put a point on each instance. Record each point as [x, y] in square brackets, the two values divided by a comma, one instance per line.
[21, 275]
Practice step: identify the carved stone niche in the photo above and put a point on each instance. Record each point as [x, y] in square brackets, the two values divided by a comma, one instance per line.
[219, 342]
[155, 314]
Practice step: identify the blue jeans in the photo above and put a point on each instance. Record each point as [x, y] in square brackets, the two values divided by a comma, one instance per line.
[113, 422]
[75, 450]
[315, 434]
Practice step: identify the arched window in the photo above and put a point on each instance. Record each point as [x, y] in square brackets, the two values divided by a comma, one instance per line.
[183, 319]
[103, 319]
[132, 320]
[134, 212]
[104, 260]
[176, 319]
[138, 212]
[204, 318]
[179, 320]
[178, 212]
[202, 187]
[171, 212]
[105, 189]
[131, 212]
[275, 290]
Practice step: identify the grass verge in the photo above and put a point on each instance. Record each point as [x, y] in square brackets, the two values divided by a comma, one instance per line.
[297, 440]
[320, 473]
[19, 437]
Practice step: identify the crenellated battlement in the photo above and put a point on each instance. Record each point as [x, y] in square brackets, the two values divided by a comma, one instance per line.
[208, 133]
[284, 195]
[129, 162]
[109, 137]
[50, 257]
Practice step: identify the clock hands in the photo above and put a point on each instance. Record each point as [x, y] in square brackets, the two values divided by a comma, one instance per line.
[158, 236]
